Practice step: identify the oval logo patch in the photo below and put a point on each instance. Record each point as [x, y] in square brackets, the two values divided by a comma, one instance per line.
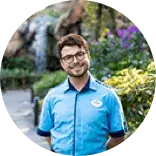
[96, 103]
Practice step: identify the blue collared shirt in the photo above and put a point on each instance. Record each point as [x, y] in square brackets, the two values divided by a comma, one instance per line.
[79, 122]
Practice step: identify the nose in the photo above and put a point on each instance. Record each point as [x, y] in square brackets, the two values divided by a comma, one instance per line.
[75, 59]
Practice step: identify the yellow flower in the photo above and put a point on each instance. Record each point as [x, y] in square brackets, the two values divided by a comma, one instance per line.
[104, 33]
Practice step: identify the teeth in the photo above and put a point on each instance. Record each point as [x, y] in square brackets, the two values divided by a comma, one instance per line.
[76, 67]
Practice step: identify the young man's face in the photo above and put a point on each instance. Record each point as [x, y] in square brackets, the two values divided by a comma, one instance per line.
[75, 61]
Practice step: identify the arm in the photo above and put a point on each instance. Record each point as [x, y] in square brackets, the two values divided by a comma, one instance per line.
[114, 141]
[48, 140]
[46, 121]
[117, 122]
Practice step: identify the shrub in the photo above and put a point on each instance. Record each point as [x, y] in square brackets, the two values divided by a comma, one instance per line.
[48, 81]
[21, 62]
[127, 50]
[17, 78]
[151, 68]
[136, 89]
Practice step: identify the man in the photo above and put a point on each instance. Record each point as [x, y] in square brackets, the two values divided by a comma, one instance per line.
[78, 115]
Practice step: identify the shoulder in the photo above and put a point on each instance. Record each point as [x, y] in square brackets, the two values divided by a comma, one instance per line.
[53, 95]
[109, 90]
[58, 89]
[102, 85]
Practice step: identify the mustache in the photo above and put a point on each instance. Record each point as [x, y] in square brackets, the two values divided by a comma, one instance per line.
[71, 66]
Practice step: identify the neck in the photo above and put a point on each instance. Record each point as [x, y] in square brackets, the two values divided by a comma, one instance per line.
[79, 82]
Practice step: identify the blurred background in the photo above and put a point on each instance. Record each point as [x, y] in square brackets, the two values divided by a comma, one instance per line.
[120, 57]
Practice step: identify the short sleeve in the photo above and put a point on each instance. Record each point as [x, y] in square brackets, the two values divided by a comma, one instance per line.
[46, 118]
[117, 122]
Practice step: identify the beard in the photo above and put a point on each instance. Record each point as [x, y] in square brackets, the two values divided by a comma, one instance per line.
[77, 70]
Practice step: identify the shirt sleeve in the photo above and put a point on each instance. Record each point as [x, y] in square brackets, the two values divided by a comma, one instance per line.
[46, 118]
[117, 122]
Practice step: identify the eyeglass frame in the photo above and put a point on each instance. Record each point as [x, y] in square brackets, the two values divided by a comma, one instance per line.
[75, 55]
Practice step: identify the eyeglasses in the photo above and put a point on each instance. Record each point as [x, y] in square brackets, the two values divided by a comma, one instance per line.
[70, 58]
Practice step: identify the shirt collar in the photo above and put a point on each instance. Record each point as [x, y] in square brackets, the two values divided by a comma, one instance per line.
[91, 84]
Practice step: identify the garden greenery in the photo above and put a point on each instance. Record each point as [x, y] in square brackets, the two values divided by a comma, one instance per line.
[48, 81]
[127, 50]
[136, 89]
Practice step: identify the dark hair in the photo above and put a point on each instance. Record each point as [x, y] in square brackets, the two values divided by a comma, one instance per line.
[71, 40]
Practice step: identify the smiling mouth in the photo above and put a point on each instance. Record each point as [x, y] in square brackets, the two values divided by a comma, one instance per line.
[77, 67]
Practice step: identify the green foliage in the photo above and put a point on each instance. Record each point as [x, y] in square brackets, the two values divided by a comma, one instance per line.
[151, 68]
[110, 55]
[22, 63]
[136, 89]
[92, 22]
[48, 81]
[90, 9]
[17, 78]
[16, 73]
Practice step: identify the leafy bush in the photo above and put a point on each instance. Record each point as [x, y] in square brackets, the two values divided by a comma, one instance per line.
[17, 78]
[136, 89]
[22, 63]
[151, 68]
[18, 73]
[127, 50]
[48, 81]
